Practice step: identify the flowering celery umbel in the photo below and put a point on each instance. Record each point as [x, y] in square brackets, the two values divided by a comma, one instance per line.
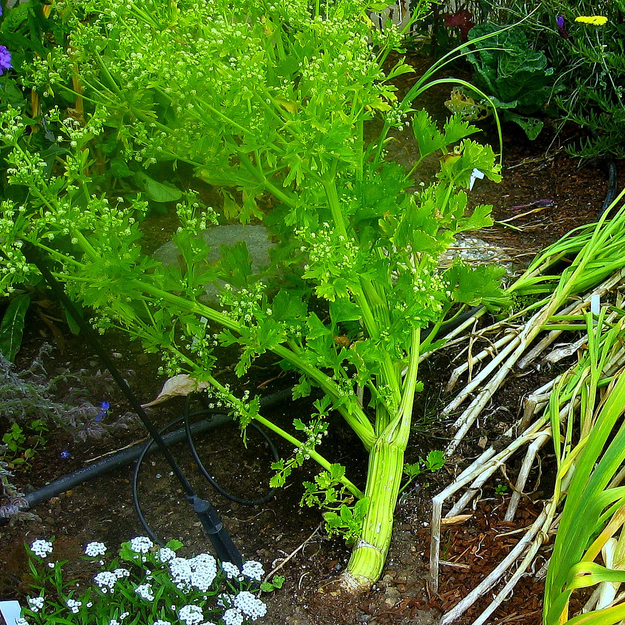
[265, 101]
[146, 584]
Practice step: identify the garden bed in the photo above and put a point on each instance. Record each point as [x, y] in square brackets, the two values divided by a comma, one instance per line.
[102, 509]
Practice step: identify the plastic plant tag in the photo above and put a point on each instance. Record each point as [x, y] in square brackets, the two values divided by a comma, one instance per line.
[476, 174]
[595, 303]
[10, 611]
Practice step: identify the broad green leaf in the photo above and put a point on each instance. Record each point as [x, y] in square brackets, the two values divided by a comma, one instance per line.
[12, 326]
[157, 191]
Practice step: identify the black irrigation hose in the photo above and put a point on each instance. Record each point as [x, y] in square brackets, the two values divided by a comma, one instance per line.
[612, 187]
[126, 456]
[188, 430]
[121, 458]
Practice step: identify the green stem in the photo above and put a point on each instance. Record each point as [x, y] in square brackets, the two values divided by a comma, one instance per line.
[386, 465]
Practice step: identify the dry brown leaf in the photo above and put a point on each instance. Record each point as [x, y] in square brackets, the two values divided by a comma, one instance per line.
[179, 386]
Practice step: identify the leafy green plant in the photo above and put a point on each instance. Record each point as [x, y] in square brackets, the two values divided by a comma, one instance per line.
[12, 326]
[516, 77]
[434, 461]
[587, 59]
[145, 584]
[501, 489]
[267, 100]
[22, 443]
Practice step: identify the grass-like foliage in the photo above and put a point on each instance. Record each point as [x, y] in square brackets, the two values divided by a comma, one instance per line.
[269, 104]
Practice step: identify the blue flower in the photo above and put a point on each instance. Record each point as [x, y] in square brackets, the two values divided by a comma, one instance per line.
[104, 408]
[5, 59]
[65, 454]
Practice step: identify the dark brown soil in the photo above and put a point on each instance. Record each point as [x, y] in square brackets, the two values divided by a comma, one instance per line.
[102, 509]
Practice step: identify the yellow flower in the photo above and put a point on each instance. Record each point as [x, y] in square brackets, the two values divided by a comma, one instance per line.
[597, 20]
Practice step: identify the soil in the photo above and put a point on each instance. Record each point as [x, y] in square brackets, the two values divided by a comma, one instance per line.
[279, 532]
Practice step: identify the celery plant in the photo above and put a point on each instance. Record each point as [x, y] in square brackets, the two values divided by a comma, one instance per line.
[266, 100]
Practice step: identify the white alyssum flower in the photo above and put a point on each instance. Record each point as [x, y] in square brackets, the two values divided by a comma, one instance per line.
[145, 592]
[105, 580]
[74, 605]
[232, 617]
[180, 571]
[190, 614]
[124, 615]
[35, 603]
[203, 571]
[231, 570]
[249, 605]
[165, 554]
[253, 570]
[41, 548]
[161, 622]
[95, 549]
[141, 544]
[121, 572]
[21, 621]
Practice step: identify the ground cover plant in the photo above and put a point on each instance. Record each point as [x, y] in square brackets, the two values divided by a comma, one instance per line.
[263, 101]
[144, 584]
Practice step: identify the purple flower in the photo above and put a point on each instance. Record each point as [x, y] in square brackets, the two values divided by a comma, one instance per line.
[560, 23]
[65, 454]
[5, 59]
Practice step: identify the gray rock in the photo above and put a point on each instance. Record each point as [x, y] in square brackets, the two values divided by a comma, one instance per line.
[255, 237]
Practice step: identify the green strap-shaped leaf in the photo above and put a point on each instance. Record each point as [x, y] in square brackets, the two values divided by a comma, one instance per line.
[12, 327]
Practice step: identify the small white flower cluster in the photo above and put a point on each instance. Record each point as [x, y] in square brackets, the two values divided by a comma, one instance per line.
[249, 605]
[242, 606]
[190, 614]
[165, 554]
[41, 548]
[231, 570]
[105, 580]
[74, 605]
[95, 549]
[145, 592]
[141, 544]
[254, 570]
[198, 572]
[35, 603]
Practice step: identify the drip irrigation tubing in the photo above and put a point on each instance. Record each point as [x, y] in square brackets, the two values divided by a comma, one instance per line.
[126, 456]
[186, 432]
[612, 187]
